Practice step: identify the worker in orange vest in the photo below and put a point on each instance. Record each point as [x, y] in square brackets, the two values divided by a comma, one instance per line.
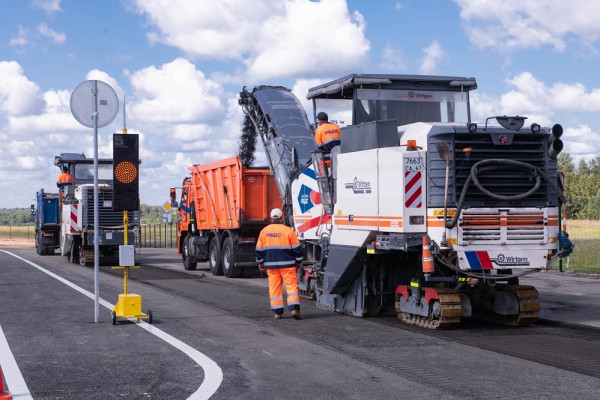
[327, 134]
[279, 252]
[64, 179]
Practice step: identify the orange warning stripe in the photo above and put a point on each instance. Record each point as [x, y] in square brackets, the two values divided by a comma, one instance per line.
[370, 221]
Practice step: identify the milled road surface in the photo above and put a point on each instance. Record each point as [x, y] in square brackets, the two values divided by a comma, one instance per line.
[63, 354]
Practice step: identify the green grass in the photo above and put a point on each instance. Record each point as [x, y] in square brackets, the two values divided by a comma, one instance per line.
[26, 232]
[585, 235]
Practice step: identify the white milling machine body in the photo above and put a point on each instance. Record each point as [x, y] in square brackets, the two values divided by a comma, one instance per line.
[422, 212]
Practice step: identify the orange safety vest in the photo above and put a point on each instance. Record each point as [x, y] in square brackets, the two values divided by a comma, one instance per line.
[327, 136]
[278, 247]
[65, 177]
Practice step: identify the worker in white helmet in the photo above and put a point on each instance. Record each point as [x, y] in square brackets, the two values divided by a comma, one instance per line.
[278, 250]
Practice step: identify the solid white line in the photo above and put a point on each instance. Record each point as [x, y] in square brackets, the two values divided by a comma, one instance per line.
[213, 375]
[12, 374]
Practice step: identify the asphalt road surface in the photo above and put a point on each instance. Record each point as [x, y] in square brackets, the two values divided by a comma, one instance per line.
[213, 337]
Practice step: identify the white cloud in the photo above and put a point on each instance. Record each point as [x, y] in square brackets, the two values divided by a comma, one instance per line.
[58, 38]
[206, 28]
[54, 117]
[515, 24]
[175, 92]
[311, 39]
[21, 40]
[50, 6]
[300, 89]
[271, 38]
[99, 75]
[581, 142]
[18, 95]
[531, 96]
[434, 55]
[544, 104]
[392, 58]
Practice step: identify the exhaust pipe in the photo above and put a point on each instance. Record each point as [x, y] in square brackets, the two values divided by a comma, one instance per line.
[555, 145]
[555, 148]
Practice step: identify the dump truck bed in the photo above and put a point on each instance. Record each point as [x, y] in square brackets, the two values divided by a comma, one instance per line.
[228, 195]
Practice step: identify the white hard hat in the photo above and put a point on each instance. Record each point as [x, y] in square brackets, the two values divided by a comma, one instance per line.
[276, 213]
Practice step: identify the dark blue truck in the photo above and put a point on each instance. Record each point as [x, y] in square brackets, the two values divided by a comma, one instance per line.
[47, 222]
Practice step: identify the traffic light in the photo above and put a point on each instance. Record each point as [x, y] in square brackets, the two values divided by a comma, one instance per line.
[125, 172]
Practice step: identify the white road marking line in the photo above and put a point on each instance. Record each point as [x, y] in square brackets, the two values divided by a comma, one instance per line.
[12, 374]
[213, 375]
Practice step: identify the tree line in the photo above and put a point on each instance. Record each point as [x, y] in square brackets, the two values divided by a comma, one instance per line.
[582, 186]
[22, 216]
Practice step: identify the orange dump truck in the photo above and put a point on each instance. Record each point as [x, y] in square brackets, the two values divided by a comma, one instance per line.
[222, 209]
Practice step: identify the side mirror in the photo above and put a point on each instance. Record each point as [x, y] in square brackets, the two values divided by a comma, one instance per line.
[173, 196]
[33, 210]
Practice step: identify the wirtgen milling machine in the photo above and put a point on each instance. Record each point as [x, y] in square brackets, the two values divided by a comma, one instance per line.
[421, 212]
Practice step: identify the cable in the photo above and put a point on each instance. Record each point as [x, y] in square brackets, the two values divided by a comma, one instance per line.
[492, 164]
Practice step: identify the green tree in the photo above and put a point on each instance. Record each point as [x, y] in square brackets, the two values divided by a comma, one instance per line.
[151, 214]
[22, 216]
[583, 168]
[15, 216]
[593, 207]
[565, 163]
[594, 165]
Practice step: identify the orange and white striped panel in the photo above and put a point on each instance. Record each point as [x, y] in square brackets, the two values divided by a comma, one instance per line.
[73, 225]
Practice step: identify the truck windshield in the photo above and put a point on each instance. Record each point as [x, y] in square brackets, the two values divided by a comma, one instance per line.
[405, 106]
[84, 173]
[408, 106]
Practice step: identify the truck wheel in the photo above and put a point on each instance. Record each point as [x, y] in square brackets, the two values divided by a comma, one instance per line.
[214, 257]
[41, 249]
[38, 243]
[188, 264]
[228, 256]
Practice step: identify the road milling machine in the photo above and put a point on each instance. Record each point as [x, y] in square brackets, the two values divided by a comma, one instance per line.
[421, 212]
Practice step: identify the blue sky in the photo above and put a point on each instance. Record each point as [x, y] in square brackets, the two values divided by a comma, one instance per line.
[181, 63]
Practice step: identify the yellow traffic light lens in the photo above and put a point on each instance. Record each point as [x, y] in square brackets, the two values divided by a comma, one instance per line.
[125, 172]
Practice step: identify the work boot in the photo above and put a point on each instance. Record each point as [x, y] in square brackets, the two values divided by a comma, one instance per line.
[278, 316]
[296, 314]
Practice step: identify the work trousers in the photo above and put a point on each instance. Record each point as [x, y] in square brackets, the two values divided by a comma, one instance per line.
[288, 277]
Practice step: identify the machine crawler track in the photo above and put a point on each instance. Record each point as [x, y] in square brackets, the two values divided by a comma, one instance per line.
[529, 308]
[304, 294]
[450, 312]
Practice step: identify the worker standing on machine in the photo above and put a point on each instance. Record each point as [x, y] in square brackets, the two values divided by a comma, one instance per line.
[279, 252]
[65, 178]
[327, 134]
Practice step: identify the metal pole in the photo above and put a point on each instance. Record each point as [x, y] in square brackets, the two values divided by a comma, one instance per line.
[96, 222]
[560, 229]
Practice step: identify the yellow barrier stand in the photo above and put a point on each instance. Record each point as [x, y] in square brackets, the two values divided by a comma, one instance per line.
[129, 305]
